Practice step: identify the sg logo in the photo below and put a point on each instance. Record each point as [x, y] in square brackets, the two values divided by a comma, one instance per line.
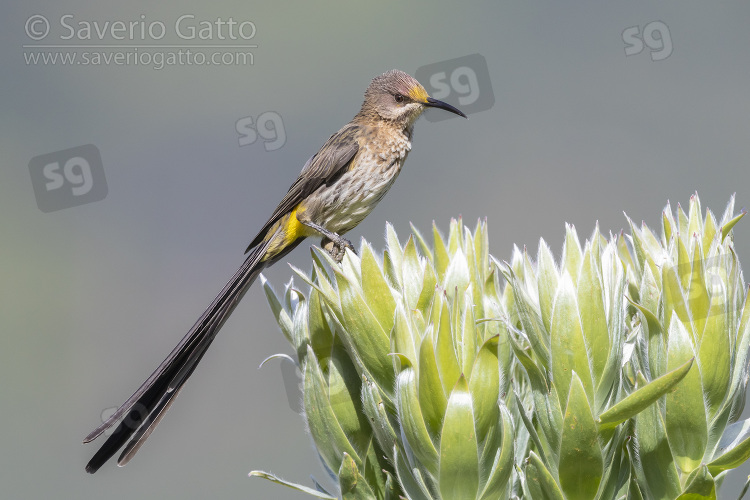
[68, 178]
[269, 126]
[464, 81]
[655, 36]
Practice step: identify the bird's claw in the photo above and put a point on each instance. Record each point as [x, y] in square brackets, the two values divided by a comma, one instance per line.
[337, 248]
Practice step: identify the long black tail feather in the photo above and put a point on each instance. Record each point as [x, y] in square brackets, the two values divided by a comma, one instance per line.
[145, 408]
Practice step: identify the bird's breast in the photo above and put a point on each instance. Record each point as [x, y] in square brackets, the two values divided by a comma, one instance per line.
[345, 203]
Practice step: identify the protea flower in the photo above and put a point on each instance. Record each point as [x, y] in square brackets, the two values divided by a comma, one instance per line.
[403, 382]
[439, 372]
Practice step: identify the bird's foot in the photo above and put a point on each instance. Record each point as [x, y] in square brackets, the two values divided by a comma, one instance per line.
[336, 248]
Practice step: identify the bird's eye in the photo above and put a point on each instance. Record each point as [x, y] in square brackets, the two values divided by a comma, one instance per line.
[399, 98]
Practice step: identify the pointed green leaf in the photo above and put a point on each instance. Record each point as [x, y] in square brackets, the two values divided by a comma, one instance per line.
[374, 409]
[441, 253]
[715, 352]
[701, 486]
[649, 291]
[344, 395]
[502, 465]
[392, 491]
[429, 290]
[729, 225]
[424, 247]
[581, 463]
[617, 472]
[321, 337]
[657, 349]
[304, 489]
[541, 484]
[528, 275]
[624, 251]
[432, 398]
[696, 293]
[709, 230]
[321, 283]
[300, 326]
[569, 351]
[471, 262]
[682, 220]
[742, 348]
[353, 485]
[695, 220]
[410, 479]
[392, 275]
[376, 291]
[411, 274]
[485, 387]
[729, 210]
[593, 315]
[613, 285]
[329, 437]
[656, 462]
[541, 447]
[395, 252]
[651, 244]
[468, 331]
[412, 421]
[683, 264]
[667, 224]
[282, 317]
[351, 267]
[733, 449]
[455, 235]
[546, 282]
[402, 337]
[457, 276]
[674, 300]
[545, 399]
[365, 335]
[482, 249]
[572, 255]
[530, 319]
[445, 351]
[640, 399]
[685, 412]
[459, 455]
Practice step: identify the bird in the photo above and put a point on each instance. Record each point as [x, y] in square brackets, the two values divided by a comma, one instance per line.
[336, 189]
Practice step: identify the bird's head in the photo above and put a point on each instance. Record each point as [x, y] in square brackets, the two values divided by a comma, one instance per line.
[397, 97]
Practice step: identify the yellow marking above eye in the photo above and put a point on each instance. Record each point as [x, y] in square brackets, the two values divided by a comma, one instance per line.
[418, 94]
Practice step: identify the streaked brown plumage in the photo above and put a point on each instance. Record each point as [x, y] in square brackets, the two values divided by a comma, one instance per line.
[337, 188]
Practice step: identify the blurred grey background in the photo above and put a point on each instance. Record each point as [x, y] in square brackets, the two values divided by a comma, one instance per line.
[94, 295]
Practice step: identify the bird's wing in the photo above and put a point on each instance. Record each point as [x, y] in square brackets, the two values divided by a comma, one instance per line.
[324, 167]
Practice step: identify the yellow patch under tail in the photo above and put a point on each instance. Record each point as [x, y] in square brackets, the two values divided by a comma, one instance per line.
[285, 232]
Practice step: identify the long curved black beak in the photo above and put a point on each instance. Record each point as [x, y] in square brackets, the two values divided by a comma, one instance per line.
[434, 103]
